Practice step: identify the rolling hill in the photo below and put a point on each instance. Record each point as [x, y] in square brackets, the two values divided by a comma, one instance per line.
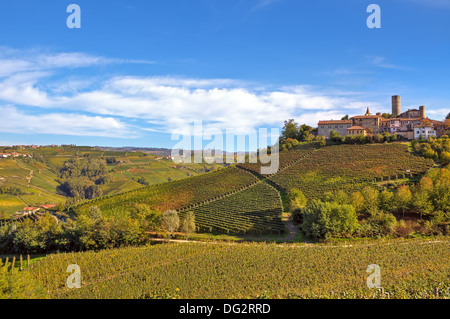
[239, 200]
[36, 180]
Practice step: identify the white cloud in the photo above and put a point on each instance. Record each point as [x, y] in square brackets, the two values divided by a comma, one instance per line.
[13, 61]
[168, 104]
[16, 121]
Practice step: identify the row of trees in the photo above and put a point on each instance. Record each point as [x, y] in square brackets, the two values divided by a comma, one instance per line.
[361, 139]
[91, 232]
[11, 190]
[336, 214]
[293, 133]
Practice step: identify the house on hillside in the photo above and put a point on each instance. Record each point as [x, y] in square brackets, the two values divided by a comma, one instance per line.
[424, 130]
[356, 130]
[340, 126]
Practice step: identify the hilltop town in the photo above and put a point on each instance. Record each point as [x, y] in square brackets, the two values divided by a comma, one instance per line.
[411, 124]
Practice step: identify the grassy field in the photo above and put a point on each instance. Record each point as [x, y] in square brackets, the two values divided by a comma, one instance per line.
[409, 269]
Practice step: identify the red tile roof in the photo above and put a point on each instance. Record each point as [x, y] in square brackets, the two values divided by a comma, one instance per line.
[366, 117]
[336, 122]
[46, 206]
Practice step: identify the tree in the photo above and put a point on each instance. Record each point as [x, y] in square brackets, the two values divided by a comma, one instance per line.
[386, 199]
[171, 221]
[95, 213]
[445, 157]
[371, 201]
[303, 133]
[290, 130]
[403, 198]
[148, 218]
[357, 200]
[334, 136]
[142, 180]
[448, 116]
[325, 220]
[188, 224]
[420, 202]
[344, 118]
[296, 199]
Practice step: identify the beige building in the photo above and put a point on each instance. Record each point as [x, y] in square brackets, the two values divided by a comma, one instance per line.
[399, 123]
[356, 130]
[340, 126]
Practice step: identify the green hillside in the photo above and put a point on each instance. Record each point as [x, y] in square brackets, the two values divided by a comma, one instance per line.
[36, 181]
[238, 200]
[177, 195]
[349, 167]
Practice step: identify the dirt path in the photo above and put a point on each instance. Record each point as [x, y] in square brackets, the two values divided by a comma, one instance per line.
[30, 177]
[292, 229]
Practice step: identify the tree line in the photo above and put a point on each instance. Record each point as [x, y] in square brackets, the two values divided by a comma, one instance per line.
[92, 231]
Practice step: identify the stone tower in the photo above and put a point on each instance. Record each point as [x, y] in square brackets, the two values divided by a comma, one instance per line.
[422, 111]
[396, 106]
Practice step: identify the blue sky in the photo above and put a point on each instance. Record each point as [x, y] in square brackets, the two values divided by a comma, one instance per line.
[138, 71]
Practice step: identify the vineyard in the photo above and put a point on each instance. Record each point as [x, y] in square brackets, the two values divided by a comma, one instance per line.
[409, 269]
[286, 158]
[349, 167]
[256, 210]
[176, 194]
[234, 200]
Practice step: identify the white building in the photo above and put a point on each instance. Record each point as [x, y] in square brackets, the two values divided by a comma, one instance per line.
[426, 130]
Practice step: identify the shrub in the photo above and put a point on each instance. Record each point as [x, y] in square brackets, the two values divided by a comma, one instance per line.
[325, 220]
[378, 224]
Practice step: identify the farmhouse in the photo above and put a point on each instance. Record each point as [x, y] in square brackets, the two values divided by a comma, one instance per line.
[405, 124]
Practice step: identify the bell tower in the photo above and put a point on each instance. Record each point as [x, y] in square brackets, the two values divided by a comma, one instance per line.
[396, 105]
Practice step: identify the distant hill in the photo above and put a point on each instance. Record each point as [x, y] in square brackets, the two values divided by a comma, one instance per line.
[35, 181]
[148, 150]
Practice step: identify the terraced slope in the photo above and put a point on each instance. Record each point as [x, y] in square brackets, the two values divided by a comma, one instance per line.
[255, 210]
[349, 167]
[174, 195]
[286, 159]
